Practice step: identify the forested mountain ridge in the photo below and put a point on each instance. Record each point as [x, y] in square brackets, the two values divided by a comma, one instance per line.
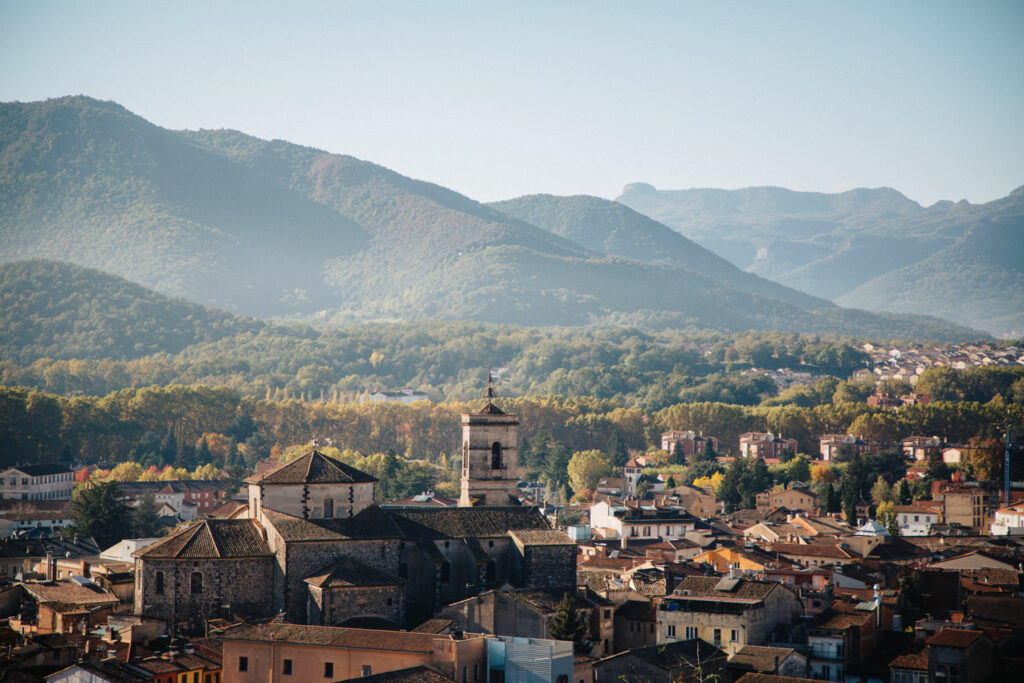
[271, 228]
[616, 230]
[870, 248]
[62, 311]
[89, 182]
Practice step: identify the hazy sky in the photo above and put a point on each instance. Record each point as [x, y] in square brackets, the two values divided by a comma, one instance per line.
[496, 99]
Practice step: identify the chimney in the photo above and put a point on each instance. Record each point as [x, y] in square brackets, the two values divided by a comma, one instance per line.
[624, 542]
[50, 567]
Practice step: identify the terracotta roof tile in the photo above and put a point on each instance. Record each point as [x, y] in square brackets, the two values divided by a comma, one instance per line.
[333, 636]
[313, 468]
[347, 572]
[210, 538]
[954, 637]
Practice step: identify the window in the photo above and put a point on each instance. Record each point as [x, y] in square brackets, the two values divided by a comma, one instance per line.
[243, 663]
[159, 583]
[195, 677]
[367, 670]
[390, 600]
[328, 669]
[197, 583]
[734, 636]
[562, 679]
[465, 674]
[671, 631]
[718, 637]
[691, 632]
[476, 672]
[607, 614]
[286, 668]
[328, 507]
[496, 456]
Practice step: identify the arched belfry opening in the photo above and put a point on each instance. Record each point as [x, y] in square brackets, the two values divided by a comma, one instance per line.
[490, 461]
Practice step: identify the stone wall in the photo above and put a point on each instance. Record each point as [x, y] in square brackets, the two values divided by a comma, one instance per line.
[305, 558]
[244, 584]
[546, 566]
[333, 606]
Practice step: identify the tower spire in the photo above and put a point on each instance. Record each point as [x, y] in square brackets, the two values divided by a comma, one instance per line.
[489, 393]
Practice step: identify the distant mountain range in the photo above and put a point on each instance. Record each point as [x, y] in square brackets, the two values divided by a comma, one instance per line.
[867, 248]
[268, 228]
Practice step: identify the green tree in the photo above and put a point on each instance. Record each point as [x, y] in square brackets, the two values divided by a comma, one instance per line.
[586, 468]
[830, 500]
[145, 520]
[568, 623]
[101, 513]
[903, 494]
[616, 449]
[881, 492]
[799, 469]
[678, 454]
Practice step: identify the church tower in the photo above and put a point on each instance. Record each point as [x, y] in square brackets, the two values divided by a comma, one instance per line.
[490, 455]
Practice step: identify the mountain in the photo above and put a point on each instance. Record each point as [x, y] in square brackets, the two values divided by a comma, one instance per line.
[89, 182]
[62, 311]
[271, 228]
[869, 248]
[614, 229]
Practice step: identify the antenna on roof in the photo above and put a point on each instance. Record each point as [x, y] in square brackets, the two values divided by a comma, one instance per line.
[490, 386]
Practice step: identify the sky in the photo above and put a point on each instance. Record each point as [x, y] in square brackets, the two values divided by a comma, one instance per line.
[497, 100]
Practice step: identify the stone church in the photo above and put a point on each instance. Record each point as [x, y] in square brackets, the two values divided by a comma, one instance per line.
[315, 548]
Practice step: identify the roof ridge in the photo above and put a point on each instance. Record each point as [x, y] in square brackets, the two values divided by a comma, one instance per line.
[309, 463]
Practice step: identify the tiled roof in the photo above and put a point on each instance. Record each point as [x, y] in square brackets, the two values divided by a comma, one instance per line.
[706, 586]
[754, 677]
[312, 468]
[841, 616]
[954, 637]
[468, 522]
[811, 550]
[39, 470]
[371, 523]
[490, 409]
[418, 674]
[681, 653]
[912, 660]
[541, 537]
[334, 636]
[759, 658]
[210, 538]
[544, 599]
[347, 572]
[68, 593]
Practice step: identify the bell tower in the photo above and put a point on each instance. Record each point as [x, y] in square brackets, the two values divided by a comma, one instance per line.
[490, 455]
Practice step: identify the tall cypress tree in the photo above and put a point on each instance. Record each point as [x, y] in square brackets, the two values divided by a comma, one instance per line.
[568, 623]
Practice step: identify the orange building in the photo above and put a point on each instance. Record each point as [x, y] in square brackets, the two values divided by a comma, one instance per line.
[289, 652]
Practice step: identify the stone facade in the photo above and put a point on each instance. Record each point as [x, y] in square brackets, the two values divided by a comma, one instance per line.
[490, 457]
[226, 586]
[335, 606]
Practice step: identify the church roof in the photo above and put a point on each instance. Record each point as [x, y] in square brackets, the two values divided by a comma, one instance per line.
[348, 572]
[210, 538]
[312, 468]
[467, 522]
[490, 409]
[371, 523]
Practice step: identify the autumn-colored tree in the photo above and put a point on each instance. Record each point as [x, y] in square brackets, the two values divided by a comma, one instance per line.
[586, 468]
[822, 474]
[126, 471]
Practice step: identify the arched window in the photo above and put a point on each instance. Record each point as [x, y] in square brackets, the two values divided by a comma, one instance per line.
[328, 508]
[495, 456]
[197, 583]
[159, 583]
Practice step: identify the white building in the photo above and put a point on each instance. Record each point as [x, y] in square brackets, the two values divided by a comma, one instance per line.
[1009, 521]
[641, 521]
[400, 396]
[917, 518]
[36, 482]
